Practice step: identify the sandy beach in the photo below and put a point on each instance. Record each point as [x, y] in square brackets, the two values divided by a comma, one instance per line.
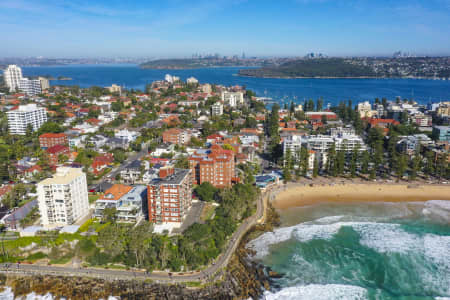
[307, 195]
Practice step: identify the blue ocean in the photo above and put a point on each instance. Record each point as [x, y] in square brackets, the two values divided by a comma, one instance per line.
[381, 250]
[282, 90]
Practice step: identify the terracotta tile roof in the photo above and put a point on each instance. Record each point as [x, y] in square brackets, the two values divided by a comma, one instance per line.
[116, 192]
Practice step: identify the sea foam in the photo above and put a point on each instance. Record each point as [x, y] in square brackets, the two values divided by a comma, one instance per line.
[319, 292]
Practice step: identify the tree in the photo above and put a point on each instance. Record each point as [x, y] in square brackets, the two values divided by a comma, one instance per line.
[50, 127]
[119, 155]
[319, 104]
[206, 191]
[415, 166]
[316, 167]
[287, 176]
[401, 166]
[365, 162]
[304, 160]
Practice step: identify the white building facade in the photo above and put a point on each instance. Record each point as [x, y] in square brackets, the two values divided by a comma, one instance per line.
[24, 115]
[233, 99]
[12, 76]
[30, 86]
[63, 199]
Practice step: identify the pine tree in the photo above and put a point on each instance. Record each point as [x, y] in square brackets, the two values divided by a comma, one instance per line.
[365, 162]
[316, 167]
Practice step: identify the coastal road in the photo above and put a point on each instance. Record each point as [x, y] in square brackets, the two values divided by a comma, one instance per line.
[203, 275]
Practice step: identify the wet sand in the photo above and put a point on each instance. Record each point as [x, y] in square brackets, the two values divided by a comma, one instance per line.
[348, 193]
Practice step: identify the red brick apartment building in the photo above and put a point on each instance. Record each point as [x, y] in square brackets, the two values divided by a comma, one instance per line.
[169, 196]
[48, 140]
[214, 165]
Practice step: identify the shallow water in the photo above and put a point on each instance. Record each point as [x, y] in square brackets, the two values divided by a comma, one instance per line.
[360, 251]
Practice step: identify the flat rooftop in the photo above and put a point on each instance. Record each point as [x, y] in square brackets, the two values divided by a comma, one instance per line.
[63, 175]
[176, 178]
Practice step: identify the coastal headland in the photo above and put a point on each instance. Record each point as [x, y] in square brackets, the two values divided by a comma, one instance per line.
[301, 195]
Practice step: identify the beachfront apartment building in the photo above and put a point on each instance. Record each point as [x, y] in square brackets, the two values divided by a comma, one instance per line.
[23, 116]
[292, 144]
[322, 143]
[63, 199]
[169, 196]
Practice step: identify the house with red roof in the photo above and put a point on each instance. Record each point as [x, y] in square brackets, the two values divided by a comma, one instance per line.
[101, 162]
[55, 151]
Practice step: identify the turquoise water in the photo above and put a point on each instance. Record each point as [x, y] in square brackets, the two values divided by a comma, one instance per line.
[360, 251]
[332, 90]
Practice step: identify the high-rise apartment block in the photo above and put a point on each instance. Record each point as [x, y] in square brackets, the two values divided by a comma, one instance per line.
[23, 116]
[63, 199]
[215, 165]
[16, 82]
[169, 196]
[12, 76]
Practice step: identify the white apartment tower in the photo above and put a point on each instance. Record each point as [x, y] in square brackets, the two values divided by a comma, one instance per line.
[13, 75]
[24, 115]
[63, 199]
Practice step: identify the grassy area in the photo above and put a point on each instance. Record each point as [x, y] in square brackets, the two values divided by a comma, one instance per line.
[207, 212]
[93, 198]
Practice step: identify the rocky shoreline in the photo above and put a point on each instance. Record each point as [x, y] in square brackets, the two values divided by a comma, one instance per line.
[242, 279]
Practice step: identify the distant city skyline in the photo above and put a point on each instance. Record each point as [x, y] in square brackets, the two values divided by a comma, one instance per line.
[177, 29]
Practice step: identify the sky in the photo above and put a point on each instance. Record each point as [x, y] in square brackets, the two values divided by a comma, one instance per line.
[179, 28]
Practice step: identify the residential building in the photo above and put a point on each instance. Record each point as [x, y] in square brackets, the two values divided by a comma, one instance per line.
[441, 133]
[48, 140]
[164, 148]
[30, 87]
[128, 202]
[214, 165]
[365, 110]
[443, 110]
[131, 173]
[55, 152]
[63, 199]
[421, 119]
[191, 80]
[217, 109]
[317, 115]
[114, 89]
[292, 144]
[176, 136]
[21, 117]
[127, 135]
[45, 83]
[411, 144]
[340, 131]
[206, 88]
[12, 76]
[322, 143]
[101, 162]
[232, 99]
[169, 196]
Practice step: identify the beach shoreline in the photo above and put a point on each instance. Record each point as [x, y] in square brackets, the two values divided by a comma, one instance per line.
[296, 195]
